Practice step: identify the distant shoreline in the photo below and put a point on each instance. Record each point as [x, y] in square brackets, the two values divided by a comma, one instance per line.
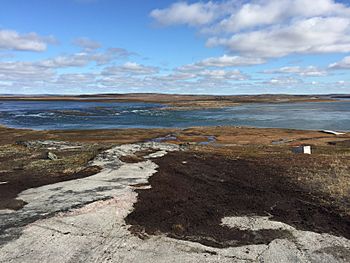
[185, 102]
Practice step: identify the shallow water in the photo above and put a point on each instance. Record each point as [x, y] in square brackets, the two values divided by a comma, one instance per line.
[99, 115]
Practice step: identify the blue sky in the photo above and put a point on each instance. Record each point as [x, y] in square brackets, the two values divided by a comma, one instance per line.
[195, 47]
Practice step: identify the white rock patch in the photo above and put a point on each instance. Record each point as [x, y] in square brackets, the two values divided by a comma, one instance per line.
[254, 223]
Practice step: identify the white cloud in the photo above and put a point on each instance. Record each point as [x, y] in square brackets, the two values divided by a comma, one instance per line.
[230, 61]
[120, 52]
[138, 69]
[130, 68]
[82, 59]
[182, 13]
[222, 74]
[314, 35]
[176, 76]
[12, 40]
[74, 60]
[23, 71]
[343, 64]
[86, 43]
[203, 75]
[260, 13]
[24, 77]
[44, 74]
[266, 28]
[310, 71]
[283, 81]
[221, 62]
[27, 76]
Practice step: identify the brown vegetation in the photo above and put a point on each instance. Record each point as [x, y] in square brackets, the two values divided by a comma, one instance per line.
[193, 191]
[180, 102]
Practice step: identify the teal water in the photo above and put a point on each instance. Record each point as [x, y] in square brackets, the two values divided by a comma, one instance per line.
[99, 115]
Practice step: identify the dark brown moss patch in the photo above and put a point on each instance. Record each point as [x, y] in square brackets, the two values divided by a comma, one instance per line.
[188, 201]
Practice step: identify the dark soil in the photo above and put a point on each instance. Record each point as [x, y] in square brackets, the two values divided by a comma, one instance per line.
[21, 180]
[188, 201]
[345, 143]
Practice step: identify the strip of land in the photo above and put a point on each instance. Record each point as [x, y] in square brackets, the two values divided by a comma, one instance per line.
[184, 102]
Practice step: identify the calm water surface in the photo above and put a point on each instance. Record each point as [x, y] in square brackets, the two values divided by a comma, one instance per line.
[99, 115]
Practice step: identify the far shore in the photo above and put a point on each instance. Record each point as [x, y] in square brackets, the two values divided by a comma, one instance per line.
[180, 102]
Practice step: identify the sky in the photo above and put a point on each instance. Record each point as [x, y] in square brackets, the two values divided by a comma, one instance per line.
[184, 47]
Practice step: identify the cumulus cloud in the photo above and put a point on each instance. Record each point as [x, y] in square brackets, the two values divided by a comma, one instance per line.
[130, 68]
[183, 13]
[12, 40]
[343, 64]
[20, 71]
[212, 69]
[222, 62]
[120, 52]
[230, 61]
[176, 76]
[138, 69]
[45, 74]
[266, 29]
[204, 76]
[222, 74]
[310, 71]
[22, 76]
[76, 77]
[17, 77]
[314, 35]
[86, 43]
[82, 59]
[260, 13]
[74, 60]
[284, 81]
